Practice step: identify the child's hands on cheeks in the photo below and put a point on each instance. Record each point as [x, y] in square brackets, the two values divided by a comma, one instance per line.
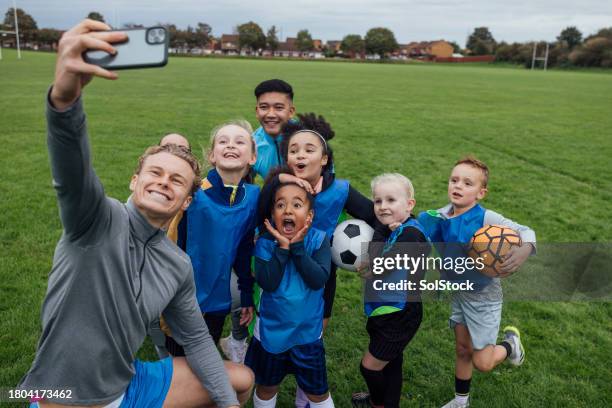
[301, 233]
[515, 257]
[283, 241]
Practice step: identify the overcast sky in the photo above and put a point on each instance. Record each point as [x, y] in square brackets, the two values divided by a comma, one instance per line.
[452, 20]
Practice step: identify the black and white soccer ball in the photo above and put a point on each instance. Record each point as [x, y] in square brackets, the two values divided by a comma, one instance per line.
[349, 243]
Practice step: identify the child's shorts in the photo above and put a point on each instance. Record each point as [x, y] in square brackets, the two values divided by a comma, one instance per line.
[306, 362]
[390, 333]
[148, 388]
[482, 318]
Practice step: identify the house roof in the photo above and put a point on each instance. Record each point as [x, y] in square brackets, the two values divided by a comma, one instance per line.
[230, 38]
[229, 41]
[424, 44]
[288, 45]
[333, 44]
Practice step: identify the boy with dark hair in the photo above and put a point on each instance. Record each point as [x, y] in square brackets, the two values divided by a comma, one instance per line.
[274, 109]
[475, 315]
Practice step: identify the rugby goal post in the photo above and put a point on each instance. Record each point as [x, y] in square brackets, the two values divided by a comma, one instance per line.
[15, 33]
[534, 57]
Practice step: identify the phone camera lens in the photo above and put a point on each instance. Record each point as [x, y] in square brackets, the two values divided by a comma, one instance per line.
[156, 36]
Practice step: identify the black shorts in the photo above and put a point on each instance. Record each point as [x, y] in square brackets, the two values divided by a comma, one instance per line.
[329, 293]
[390, 333]
[214, 321]
[306, 362]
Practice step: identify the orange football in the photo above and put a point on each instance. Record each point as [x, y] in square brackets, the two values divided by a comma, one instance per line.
[491, 243]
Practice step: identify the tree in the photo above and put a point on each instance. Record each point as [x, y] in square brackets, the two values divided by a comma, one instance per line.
[94, 15]
[481, 47]
[380, 41]
[481, 42]
[558, 55]
[595, 52]
[329, 52]
[303, 41]
[571, 36]
[272, 39]
[352, 45]
[456, 47]
[47, 37]
[190, 37]
[604, 32]
[27, 25]
[183, 38]
[202, 34]
[251, 36]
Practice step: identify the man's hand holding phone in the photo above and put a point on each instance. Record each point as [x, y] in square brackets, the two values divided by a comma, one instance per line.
[72, 73]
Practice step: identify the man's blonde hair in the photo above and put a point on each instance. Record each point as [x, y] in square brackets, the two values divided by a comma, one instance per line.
[394, 178]
[179, 152]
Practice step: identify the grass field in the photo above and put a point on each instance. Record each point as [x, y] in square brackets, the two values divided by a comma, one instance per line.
[547, 138]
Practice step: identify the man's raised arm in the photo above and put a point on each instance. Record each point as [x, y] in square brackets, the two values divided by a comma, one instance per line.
[79, 191]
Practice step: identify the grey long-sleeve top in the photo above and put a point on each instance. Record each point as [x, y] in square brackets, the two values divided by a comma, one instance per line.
[113, 273]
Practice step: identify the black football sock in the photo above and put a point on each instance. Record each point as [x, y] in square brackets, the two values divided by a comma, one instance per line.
[394, 379]
[376, 384]
[462, 387]
[507, 346]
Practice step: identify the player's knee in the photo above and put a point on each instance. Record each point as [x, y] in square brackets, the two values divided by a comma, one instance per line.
[483, 365]
[266, 392]
[318, 398]
[241, 377]
[463, 351]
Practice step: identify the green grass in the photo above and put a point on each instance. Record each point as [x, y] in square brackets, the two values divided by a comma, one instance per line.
[547, 138]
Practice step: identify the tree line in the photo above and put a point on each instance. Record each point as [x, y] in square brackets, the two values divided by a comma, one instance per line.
[569, 49]
[379, 40]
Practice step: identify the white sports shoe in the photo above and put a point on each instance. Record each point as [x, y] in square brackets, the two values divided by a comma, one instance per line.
[513, 336]
[233, 349]
[224, 346]
[454, 403]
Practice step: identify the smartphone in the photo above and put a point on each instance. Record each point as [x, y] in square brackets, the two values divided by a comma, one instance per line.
[144, 48]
